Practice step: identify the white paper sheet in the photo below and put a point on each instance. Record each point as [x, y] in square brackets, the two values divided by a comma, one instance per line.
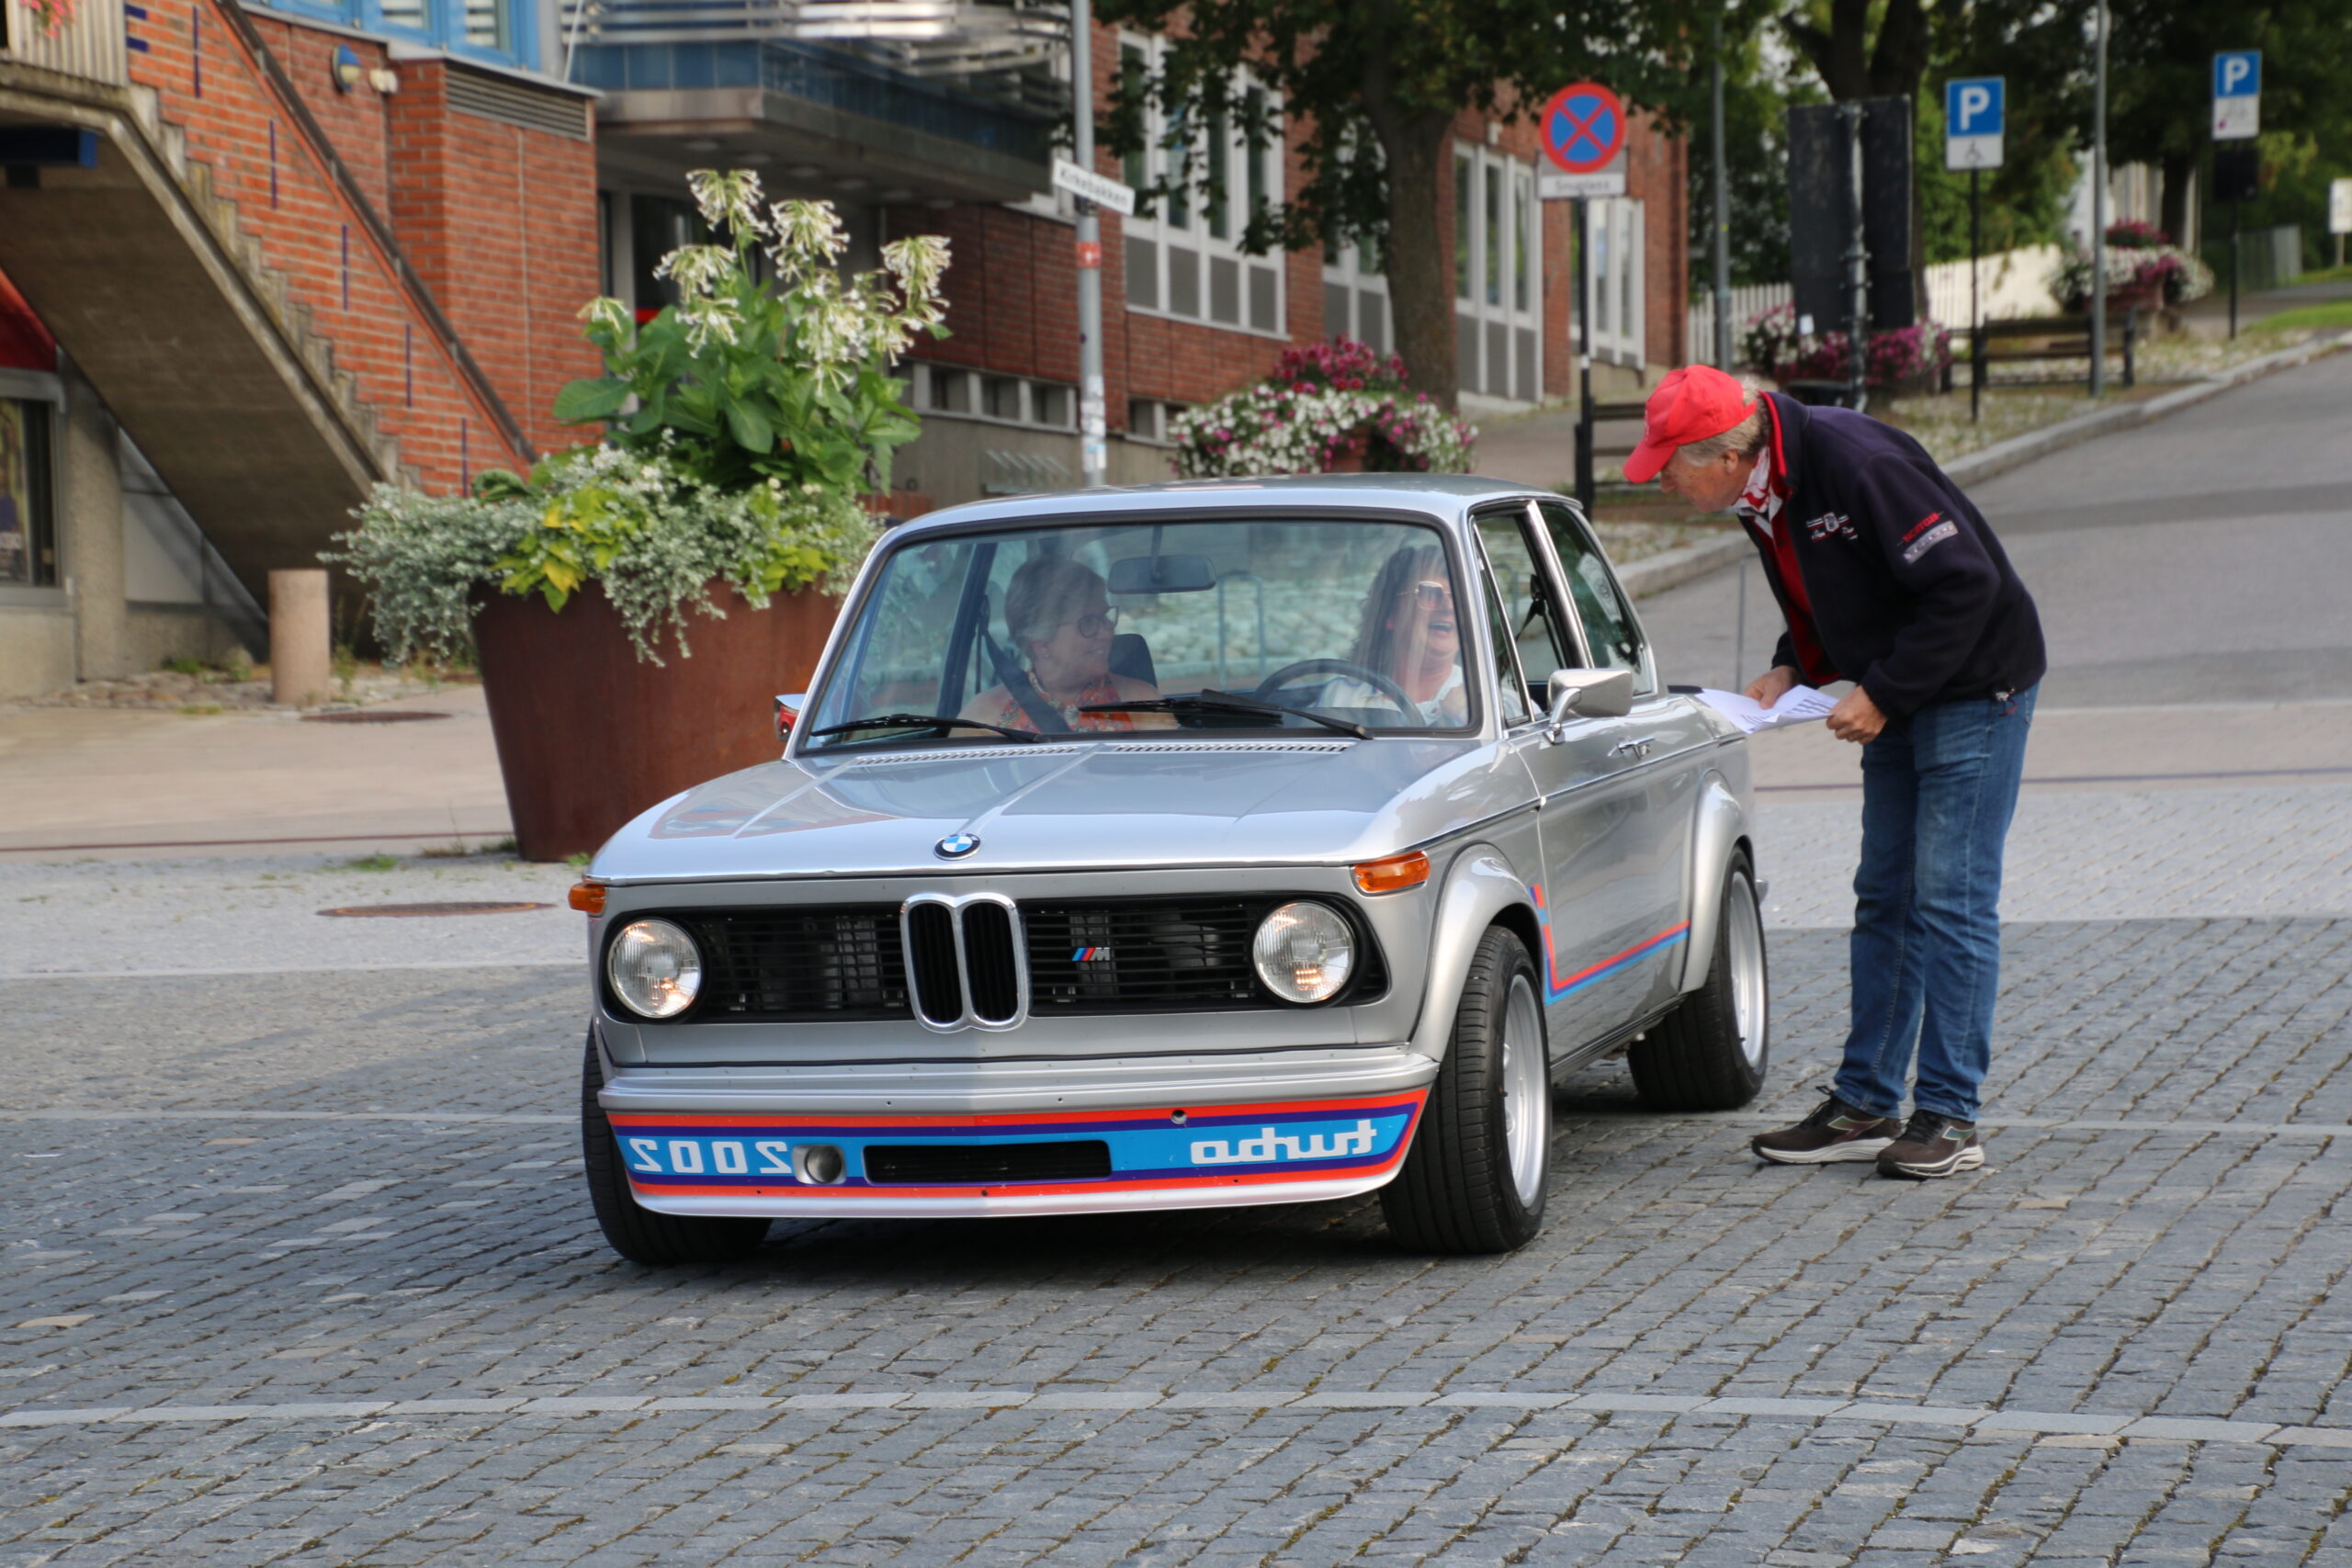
[1798, 705]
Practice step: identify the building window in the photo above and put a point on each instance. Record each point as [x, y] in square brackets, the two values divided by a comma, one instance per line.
[1355, 295]
[1497, 255]
[1613, 230]
[1184, 253]
[28, 529]
[494, 31]
[1001, 400]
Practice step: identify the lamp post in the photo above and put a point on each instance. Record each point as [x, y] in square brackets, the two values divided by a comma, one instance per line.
[1723, 208]
[1093, 429]
[2099, 209]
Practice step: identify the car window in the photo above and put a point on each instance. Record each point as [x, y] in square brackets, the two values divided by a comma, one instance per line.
[1512, 695]
[1544, 645]
[1610, 629]
[1066, 629]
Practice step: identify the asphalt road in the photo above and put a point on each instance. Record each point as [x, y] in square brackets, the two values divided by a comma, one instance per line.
[299, 1268]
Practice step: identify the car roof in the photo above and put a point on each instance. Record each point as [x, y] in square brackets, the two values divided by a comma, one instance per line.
[1440, 496]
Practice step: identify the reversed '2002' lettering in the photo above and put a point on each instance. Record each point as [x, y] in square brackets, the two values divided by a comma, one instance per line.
[708, 1157]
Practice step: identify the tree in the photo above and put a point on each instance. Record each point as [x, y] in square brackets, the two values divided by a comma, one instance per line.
[1378, 84]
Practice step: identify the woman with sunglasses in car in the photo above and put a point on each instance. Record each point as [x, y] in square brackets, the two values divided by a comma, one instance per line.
[1409, 634]
[1059, 615]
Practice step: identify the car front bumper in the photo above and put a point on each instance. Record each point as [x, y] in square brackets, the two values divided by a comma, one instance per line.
[1176, 1132]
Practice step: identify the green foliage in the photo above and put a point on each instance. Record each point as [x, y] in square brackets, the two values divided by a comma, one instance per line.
[645, 529]
[747, 379]
[373, 862]
[2024, 201]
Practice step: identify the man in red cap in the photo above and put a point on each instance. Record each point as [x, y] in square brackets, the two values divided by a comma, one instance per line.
[1887, 577]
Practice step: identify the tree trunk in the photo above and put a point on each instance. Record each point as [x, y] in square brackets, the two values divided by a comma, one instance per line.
[1420, 295]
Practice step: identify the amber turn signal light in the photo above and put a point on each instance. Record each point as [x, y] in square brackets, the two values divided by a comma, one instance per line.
[588, 898]
[1393, 874]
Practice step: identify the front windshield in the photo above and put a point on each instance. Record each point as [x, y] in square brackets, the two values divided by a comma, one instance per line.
[1153, 625]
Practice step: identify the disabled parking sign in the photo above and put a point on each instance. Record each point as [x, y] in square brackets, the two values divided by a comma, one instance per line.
[1584, 136]
[1975, 107]
[2237, 94]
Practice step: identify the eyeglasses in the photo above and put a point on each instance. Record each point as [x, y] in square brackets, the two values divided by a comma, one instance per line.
[1431, 594]
[1102, 623]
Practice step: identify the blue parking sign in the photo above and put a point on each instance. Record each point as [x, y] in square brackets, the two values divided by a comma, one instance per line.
[1973, 105]
[2237, 73]
[1973, 109]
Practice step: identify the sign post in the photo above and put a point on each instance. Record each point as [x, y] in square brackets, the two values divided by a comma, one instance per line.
[1093, 422]
[2237, 117]
[1976, 108]
[1584, 137]
[2340, 214]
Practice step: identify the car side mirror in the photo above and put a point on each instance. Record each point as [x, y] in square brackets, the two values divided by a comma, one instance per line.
[1587, 693]
[787, 713]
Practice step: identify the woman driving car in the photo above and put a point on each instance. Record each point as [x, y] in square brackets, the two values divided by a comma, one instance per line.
[1058, 613]
[1409, 633]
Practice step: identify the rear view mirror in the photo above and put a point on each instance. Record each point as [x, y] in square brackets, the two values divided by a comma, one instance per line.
[1588, 694]
[1162, 574]
[787, 711]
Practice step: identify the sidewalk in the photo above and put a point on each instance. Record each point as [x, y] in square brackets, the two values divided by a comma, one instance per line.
[123, 783]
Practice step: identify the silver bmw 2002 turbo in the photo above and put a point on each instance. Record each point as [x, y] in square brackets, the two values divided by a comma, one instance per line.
[1187, 845]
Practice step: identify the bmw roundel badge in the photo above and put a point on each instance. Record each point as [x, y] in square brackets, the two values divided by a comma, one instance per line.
[955, 846]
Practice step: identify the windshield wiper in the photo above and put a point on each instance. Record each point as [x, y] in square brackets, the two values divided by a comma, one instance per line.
[925, 721]
[1210, 700]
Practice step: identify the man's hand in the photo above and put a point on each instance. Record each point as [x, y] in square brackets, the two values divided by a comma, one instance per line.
[1856, 717]
[1772, 686]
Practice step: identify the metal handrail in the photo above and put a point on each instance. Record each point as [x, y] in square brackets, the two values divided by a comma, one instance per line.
[419, 296]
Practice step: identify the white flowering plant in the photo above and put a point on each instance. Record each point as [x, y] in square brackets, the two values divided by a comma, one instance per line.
[652, 535]
[1322, 408]
[752, 378]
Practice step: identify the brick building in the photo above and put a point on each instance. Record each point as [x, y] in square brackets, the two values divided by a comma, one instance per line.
[952, 135]
[257, 260]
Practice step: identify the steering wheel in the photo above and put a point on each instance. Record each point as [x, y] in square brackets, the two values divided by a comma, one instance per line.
[1265, 689]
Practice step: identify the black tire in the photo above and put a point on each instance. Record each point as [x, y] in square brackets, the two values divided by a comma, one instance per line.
[1698, 1057]
[638, 1233]
[1460, 1190]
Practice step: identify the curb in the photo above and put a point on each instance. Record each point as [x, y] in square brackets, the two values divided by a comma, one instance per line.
[1676, 566]
[2020, 450]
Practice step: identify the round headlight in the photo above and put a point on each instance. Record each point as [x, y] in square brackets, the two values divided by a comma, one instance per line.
[655, 968]
[1305, 953]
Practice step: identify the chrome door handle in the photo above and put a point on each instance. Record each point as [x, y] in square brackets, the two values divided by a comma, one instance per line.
[1635, 748]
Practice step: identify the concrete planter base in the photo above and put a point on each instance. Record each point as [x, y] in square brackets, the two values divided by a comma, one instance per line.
[589, 735]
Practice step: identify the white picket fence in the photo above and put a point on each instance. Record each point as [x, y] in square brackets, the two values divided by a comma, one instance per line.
[2012, 283]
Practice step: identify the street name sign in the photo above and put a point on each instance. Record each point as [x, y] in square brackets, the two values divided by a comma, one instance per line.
[1100, 190]
[1975, 109]
[2237, 94]
[1584, 137]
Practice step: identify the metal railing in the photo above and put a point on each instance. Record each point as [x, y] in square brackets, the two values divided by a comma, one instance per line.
[90, 46]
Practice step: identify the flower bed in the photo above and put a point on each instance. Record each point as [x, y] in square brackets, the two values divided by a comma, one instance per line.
[1907, 357]
[1329, 408]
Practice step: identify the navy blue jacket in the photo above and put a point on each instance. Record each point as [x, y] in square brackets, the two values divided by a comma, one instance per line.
[1913, 598]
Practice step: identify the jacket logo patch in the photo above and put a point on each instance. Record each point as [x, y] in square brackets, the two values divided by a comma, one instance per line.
[1920, 527]
[1928, 541]
[1830, 523]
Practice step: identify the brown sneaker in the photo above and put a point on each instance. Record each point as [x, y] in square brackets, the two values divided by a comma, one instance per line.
[1932, 1145]
[1835, 1132]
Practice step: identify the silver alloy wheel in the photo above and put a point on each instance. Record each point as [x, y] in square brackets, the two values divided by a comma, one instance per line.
[1744, 933]
[1527, 1091]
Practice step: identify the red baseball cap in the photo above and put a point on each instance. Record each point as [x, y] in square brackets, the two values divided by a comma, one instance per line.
[1691, 404]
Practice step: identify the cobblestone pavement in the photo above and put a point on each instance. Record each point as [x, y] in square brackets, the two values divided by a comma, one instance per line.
[300, 1269]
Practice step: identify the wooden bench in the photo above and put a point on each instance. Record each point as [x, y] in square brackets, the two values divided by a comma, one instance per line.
[2035, 338]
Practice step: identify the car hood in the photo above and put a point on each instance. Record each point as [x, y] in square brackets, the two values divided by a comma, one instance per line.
[1084, 806]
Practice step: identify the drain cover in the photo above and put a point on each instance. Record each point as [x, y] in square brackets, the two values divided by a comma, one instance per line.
[371, 716]
[453, 908]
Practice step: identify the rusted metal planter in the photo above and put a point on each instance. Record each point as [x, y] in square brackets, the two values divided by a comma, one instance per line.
[589, 735]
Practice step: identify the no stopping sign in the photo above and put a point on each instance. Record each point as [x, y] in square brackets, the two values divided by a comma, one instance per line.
[1584, 127]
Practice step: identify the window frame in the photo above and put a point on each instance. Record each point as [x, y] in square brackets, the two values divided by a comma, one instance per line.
[1477, 273]
[1219, 198]
[1547, 565]
[1646, 681]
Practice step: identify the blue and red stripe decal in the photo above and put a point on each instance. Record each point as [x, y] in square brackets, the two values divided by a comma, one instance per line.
[1558, 987]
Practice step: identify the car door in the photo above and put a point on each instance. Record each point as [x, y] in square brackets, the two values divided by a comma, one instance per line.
[1596, 890]
[1657, 752]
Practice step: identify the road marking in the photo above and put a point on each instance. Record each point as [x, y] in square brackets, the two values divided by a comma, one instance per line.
[1117, 1401]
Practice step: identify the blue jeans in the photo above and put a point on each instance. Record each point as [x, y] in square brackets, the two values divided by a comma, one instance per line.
[1937, 792]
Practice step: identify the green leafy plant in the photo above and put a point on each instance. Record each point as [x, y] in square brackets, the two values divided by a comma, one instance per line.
[747, 379]
[742, 425]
